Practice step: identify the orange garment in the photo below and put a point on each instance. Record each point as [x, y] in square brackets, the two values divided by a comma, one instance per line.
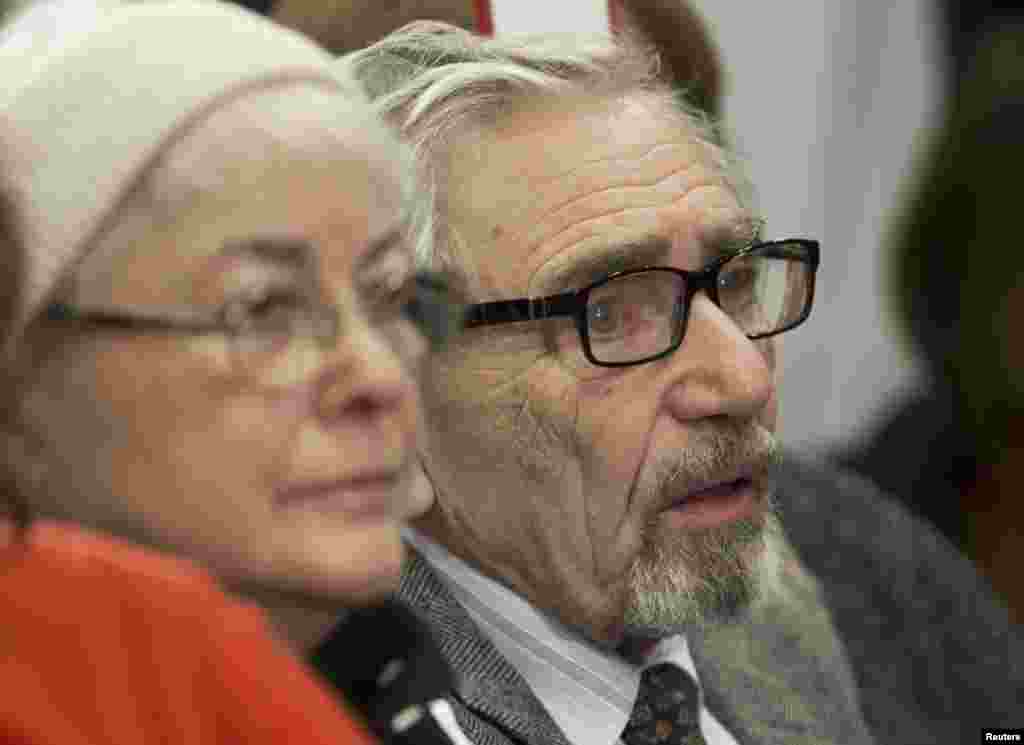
[104, 642]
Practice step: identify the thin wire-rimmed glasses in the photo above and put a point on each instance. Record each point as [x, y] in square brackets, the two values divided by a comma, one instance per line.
[639, 315]
[280, 336]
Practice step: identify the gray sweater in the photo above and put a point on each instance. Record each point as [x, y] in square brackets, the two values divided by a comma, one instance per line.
[934, 653]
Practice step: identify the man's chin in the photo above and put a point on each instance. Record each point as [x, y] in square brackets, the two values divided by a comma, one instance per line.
[683, 581]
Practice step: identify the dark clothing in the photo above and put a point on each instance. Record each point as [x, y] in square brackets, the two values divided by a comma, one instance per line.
[385, 663]
[966, 21]
[921, 455]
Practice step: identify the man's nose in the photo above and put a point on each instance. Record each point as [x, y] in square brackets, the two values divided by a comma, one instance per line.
[718, 371]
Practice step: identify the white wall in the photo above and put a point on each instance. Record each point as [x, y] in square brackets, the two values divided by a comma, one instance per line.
[826, 98]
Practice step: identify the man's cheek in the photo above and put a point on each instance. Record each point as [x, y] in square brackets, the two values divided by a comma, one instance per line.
[612, 449]
[769, 417]
[770, 414]
[770, 349]
[486, 372]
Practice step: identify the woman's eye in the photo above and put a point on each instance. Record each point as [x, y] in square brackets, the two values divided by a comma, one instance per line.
[391, 299]
[267, 309]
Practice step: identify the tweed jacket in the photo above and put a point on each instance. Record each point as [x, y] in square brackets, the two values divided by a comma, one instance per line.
[780, 676]
[878, 631]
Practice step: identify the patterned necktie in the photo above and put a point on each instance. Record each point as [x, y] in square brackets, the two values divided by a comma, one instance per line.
[666, 708]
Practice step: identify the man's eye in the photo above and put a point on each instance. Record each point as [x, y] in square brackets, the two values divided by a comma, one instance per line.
[604, 317]
[738, 279]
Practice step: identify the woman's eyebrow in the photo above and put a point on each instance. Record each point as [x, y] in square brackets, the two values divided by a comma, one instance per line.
[288, 253]
[381, 246]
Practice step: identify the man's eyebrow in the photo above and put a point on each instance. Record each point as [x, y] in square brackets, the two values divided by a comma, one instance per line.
[617, 258]
[729, 238]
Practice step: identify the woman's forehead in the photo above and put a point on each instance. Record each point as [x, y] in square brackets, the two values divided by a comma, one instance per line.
[248, 172]
[270, 133]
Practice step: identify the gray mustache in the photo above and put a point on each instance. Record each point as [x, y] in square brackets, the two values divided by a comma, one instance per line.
[718, 452]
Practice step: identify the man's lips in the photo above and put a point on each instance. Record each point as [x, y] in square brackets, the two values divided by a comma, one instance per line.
[716, 490]
[715, 504]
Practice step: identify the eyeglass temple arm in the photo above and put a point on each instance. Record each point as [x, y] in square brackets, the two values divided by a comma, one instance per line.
[177, 319]
[524, 309]
[807, 252]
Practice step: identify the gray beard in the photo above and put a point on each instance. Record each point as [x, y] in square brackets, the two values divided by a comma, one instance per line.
[685, 581]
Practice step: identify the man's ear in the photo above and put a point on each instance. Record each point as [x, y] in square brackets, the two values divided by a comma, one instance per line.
[343, 26]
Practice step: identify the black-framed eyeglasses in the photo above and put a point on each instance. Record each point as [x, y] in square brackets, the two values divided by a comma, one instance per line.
[279, 335]
[639, 315]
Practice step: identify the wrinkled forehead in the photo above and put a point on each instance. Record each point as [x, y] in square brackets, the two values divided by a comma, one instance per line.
[554, 186]
[252, 149]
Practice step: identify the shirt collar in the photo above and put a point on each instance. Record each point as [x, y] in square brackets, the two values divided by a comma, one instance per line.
[589, 691]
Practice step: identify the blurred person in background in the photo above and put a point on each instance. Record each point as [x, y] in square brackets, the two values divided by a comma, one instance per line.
[930, 650]
[956, 437]
[959, 285]
[214, 354]
[937, 462]
[966, 24]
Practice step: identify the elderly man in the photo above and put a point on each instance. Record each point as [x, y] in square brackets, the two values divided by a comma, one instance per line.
[603, 561]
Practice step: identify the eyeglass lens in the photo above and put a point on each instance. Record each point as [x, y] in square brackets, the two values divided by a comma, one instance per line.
[277, 339]
[635, 316]
[639, 315]
[281, 339]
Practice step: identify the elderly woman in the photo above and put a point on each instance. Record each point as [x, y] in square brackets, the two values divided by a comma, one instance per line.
[214, 352]
[105, 642]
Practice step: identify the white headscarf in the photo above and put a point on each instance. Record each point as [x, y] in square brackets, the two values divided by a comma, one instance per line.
[91, 93]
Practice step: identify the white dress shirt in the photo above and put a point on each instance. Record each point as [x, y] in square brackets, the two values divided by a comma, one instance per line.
[588, 691]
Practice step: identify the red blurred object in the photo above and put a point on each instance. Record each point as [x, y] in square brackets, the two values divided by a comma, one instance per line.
[484, 17]
[616, 15]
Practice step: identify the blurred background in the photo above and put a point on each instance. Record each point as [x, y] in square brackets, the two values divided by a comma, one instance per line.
[831, 101]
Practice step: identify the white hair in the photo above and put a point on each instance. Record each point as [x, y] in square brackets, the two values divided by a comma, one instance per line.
[436, 83]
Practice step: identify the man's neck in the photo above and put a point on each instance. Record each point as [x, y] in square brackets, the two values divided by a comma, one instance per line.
[421, 536]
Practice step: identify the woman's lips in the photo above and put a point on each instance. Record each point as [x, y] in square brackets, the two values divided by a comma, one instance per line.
[373, 495]
[715, 505]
